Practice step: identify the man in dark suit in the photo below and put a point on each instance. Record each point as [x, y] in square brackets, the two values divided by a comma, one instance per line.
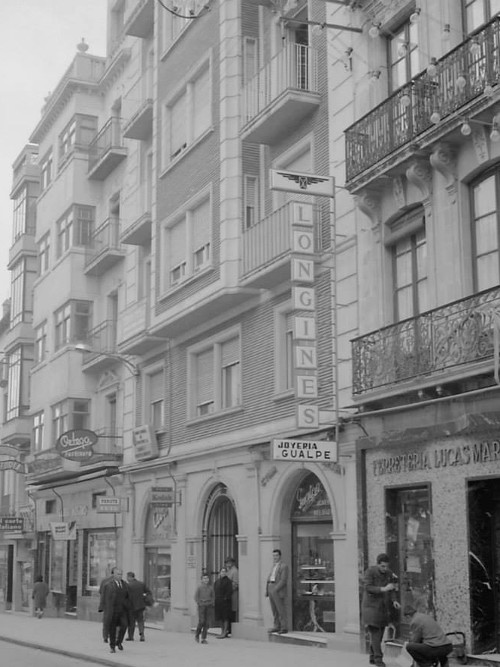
[276, 591]
[377, 604]
[136, 591]
[114, 604]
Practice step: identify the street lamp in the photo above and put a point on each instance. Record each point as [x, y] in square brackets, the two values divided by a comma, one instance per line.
[128, 363]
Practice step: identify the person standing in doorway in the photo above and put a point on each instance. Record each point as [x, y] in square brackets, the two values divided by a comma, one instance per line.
[40, 593]
[233, 576]
[114, 604]
[276, 591]
[223, 590]
[377, 605]
[136, 591]
[204, 598]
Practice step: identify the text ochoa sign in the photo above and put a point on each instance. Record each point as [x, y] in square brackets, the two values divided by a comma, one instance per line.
[304, 450]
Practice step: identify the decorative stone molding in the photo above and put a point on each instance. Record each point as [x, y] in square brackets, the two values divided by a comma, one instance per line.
[399, 192]
[368, 201]
[480, 144]
[443, 160]
[420, 174]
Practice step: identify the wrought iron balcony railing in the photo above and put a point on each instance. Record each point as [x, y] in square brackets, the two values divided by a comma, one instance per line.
[442, 339]
[460, 76]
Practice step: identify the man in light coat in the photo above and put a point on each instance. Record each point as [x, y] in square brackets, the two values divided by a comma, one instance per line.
[276, 591]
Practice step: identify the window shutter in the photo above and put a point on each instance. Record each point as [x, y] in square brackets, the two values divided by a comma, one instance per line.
[230, 352]
[177, 244]
[178, 126]
[156, 387]
[204, 380]
[201, 224]
[250, 201]
[201, 103]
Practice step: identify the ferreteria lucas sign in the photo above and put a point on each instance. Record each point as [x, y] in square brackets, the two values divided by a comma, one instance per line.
[439, 458]
[304, 450]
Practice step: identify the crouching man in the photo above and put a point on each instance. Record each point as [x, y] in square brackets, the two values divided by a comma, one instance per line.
[428, 644]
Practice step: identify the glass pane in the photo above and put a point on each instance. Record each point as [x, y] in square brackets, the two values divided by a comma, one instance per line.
[484, 197]
[487, 271]
[486, 234]
[423, 300]
[494, 7]
[475, 14]
[403, 270]
[405, 303]
[421, 260]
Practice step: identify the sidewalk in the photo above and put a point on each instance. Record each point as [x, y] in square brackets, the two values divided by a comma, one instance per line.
[83, 640]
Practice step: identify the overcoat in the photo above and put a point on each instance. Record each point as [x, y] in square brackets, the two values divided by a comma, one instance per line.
[377, 605]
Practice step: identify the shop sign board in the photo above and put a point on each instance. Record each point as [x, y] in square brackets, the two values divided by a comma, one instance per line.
[77, 444]
[13, 523]
[305, 450]
[106, 504]
[162, 496]
[63, 530]
[145, 442]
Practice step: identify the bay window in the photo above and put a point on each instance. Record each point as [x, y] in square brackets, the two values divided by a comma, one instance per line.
[72, 323]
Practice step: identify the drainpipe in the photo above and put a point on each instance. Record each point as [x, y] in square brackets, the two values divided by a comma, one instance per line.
[62, 503]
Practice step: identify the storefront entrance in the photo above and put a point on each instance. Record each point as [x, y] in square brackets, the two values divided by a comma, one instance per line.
[313, 596]
[221, 530]
[484, 564]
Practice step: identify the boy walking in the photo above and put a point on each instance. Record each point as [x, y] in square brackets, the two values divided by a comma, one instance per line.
[205, 599]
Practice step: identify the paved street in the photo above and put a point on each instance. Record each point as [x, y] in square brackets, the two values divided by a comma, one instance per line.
[82, 640]
[22, 656]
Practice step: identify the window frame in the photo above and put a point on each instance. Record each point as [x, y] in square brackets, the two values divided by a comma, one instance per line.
[284, 363]
[411, 48]
[218, 404]
[75, 228]
[44, 254]
[46, 170]
[65, 321]
[73, 136]
[148, 398]
[38, 431]
[495, 174]
[63, 416]
[40, 340]
[487, 14]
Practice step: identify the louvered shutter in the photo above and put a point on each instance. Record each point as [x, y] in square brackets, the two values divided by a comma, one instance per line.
[230, 352]
[201, 103]
[178, 137]
[204, 381]
[177, 244]
[201, 231]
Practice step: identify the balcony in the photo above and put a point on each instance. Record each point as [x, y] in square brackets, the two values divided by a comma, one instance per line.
[281, 95]
[267, 246]
[134, 336]
[141, 21]
[105, 249]
[106, 150]
[138, 104]
[449, 343]
[463, 82]
[18, 430]
[101, 341]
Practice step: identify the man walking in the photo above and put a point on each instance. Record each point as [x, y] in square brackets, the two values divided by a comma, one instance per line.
[114, 604]
[136, 592]
[378, 601]
[276, 591]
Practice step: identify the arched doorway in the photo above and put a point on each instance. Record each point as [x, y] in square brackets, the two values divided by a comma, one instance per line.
[313, 569]
[220, 530]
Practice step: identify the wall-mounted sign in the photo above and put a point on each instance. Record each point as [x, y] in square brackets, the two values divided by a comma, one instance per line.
[106, 504]
[14, 523]
[162, 496]
[145, 442]
[77, 444]
[310, 184]
[63, 530]
[44, 462]
[311, 501]
[304, 450]
[12, 464]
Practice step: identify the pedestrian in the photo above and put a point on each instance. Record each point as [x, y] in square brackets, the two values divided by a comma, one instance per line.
[105, 626]
[428, 643]
[137, 590]
[377, 605]
[40, 592]
[205, 599]
[223, 591]
[276, 591]
[114, 604]
[233, 575]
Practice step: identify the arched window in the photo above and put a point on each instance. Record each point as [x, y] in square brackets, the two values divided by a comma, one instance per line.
[221, 528]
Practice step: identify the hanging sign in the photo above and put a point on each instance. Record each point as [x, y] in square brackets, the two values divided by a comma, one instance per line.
[304, 450]
[305, 184]
[77, 444]
[145, 442]
[63, 530]
[106, 504]
[162, 496]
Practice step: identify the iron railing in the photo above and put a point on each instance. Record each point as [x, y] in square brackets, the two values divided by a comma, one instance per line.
[460, 76]
[294, 67]
[102, 339]
[459, 333]
[105, 238]
[108, 138]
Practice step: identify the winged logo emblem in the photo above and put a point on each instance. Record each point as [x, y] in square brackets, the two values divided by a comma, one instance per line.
[302, 181]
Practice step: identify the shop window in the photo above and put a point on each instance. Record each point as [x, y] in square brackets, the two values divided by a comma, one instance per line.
[100, 557]
[409, 546]
[313, 560]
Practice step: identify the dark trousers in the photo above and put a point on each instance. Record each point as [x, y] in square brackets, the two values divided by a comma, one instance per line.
[203, 621]
[134, 616]
[426, 655]
[278, 607]
[117, 627]
[375, 633]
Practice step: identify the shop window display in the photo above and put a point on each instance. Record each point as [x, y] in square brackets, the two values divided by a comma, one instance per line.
[158, 578]
[409, 546]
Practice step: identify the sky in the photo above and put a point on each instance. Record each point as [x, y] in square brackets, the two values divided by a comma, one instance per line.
[38, 41]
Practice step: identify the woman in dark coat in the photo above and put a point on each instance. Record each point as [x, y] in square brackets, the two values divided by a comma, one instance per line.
[40, 592]
[223, 602]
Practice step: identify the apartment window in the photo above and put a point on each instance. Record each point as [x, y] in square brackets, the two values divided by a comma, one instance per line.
[44, 253]
[77, 134]
[75, 228]
[14, 406]
[40, 342]
[283, 345]
[72, 323]
[188, 114]
[74, 413]
[95, 498]
[17, 290]
[251, 200]
[250, 58]
[156, 398]
[409, 271]
[486, 231]
[100, 554]
[215, 373]
[38, 431]
[24, 213]
[50, 507]
[403, 55]
[188, 242]
[478, 12]
[46, 170]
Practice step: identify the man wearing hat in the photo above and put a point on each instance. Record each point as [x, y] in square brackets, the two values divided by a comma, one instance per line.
[428, 643]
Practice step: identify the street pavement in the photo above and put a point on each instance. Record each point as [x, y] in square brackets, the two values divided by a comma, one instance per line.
[83, 639]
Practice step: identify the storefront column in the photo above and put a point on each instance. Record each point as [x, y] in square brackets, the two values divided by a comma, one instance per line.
[186, 560]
